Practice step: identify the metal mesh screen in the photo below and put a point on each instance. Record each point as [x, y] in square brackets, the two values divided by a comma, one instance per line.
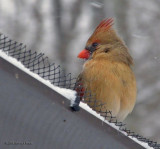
[39, 64]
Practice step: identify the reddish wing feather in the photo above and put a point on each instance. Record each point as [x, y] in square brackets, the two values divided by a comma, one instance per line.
[80, 91]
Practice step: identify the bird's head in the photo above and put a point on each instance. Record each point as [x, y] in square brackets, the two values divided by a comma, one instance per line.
[105, 43]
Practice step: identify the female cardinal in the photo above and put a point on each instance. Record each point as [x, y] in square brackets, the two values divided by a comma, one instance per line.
[107, 73]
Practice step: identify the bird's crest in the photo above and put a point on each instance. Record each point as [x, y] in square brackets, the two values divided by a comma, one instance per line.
[105, 25]
[100, 34]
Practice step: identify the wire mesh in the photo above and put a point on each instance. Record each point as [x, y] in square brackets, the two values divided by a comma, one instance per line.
[39, 64]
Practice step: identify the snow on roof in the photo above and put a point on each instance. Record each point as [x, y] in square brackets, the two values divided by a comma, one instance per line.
[69, 94]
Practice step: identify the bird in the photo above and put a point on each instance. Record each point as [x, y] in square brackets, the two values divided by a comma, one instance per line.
[107, 81]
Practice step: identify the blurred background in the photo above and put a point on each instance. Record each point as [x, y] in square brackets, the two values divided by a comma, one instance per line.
[60, 28]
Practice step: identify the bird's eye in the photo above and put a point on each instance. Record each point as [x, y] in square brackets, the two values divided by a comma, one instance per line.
[106, 50]
[94, 44]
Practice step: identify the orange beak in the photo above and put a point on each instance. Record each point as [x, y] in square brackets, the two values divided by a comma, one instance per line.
[84, 54]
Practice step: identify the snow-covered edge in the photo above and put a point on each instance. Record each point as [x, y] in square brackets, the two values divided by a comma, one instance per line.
[69, 94]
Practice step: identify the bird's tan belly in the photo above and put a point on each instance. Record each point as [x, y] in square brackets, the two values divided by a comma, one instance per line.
[110, 92]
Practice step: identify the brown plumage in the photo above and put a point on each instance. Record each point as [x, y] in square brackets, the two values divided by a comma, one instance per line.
[107, 73]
